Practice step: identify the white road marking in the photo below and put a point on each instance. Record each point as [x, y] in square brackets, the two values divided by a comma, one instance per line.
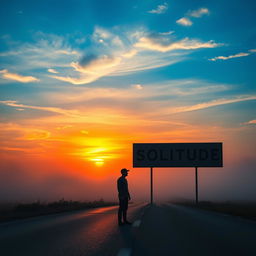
[136, 223]
[125, 252]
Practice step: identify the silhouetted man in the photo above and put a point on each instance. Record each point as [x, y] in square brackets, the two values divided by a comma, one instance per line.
[124, 197]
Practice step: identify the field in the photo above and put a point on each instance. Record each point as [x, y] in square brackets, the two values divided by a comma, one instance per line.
[13, 211]
[241, 209]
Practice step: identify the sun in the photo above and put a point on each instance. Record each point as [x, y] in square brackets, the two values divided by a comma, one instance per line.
[99, 163]
[98, 151]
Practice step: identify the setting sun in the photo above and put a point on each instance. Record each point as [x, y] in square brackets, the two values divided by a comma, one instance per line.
[99, 163]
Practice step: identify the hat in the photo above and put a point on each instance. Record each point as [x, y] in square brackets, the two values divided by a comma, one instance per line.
[124, 170]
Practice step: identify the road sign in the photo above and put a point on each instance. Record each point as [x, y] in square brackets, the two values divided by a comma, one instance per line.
[177, 155]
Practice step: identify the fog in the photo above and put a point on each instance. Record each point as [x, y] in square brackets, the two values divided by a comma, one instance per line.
[26, 183]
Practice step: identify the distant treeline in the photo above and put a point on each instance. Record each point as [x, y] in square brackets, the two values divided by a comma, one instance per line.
[241, 209]
[26, 210]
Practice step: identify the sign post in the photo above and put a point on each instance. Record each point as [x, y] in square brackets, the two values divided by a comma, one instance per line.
[196, 186]
[151, 185]
[177, 155]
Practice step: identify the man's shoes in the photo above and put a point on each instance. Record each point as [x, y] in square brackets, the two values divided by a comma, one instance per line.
[127, 222]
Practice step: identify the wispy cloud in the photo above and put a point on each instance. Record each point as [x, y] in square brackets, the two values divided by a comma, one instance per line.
[238, 55]
[16, 104]
[130, 53]
[186, 20]
[162, 8]
[110, 52]
[16, 77]
[156, 91]
[137, 86]
[158, 44]
[117, 58]
[91, 68]
[47, 50]
[124, 106]
[198, 13]
[106, 37]
[51, 70]
[250, 122]
[212, 103]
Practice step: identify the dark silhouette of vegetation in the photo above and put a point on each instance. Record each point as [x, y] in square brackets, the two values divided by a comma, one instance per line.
[26, 210]
[241, 209]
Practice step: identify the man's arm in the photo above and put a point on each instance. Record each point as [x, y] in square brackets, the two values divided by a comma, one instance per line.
[129, 197]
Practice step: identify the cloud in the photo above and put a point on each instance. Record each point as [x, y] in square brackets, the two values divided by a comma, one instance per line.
[162, 8]
[122, 105]
[212, 103]
[121, 52]
[130, 56]
[84, 132]
[184, 21]
[130, 53]
[93, 64]
[106, 37]
[166, 33]
[67, 52]
[137, 86]
[124, 60]
[77, 80]
[14, 103]
[158, 44]
[47, 50]
[91, 67]
[16, 77]
[154, 91]
[198, 13]
[150, 60]
[238, 55]
[51, 70]
[250, 122]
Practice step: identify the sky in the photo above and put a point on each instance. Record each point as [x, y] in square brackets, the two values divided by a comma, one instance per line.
[82, 80]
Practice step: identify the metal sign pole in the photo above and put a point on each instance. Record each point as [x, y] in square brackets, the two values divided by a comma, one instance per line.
[196, 186]
[151, 185]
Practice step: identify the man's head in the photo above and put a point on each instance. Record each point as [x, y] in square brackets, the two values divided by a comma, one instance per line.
[124, 172]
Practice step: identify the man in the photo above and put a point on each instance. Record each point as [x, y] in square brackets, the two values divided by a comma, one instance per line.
[124, 197]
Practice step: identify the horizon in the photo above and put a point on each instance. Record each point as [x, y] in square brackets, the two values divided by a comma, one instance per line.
[82, 81]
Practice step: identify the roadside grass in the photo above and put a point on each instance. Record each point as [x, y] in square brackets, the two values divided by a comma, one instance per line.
[14, 211]
[241, 209]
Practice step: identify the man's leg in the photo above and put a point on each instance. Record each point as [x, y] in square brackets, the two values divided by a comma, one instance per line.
[119, 216]
[125, 211]
[124, 215]
[120, 212]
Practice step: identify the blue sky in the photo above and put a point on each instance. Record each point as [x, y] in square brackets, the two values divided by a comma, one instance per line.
[40, 35]
[64, 46]
[164, 70]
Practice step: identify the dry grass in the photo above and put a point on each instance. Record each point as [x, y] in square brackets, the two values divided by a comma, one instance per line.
[11, 211]
[242, 209]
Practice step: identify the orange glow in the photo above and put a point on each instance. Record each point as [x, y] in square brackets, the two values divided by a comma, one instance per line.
[99, 163]
[89, 157]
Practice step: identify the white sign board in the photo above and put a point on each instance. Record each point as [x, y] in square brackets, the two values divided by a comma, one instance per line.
[177, 155]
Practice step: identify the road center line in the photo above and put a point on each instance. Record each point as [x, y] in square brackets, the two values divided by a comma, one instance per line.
[125, 252]
[136, 223]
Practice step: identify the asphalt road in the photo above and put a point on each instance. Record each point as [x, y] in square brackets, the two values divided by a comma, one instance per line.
[161, 229]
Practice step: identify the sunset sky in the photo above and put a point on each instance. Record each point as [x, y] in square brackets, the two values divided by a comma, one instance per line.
[82, 80]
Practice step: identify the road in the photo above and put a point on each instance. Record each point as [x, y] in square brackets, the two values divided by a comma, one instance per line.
[161, 229]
